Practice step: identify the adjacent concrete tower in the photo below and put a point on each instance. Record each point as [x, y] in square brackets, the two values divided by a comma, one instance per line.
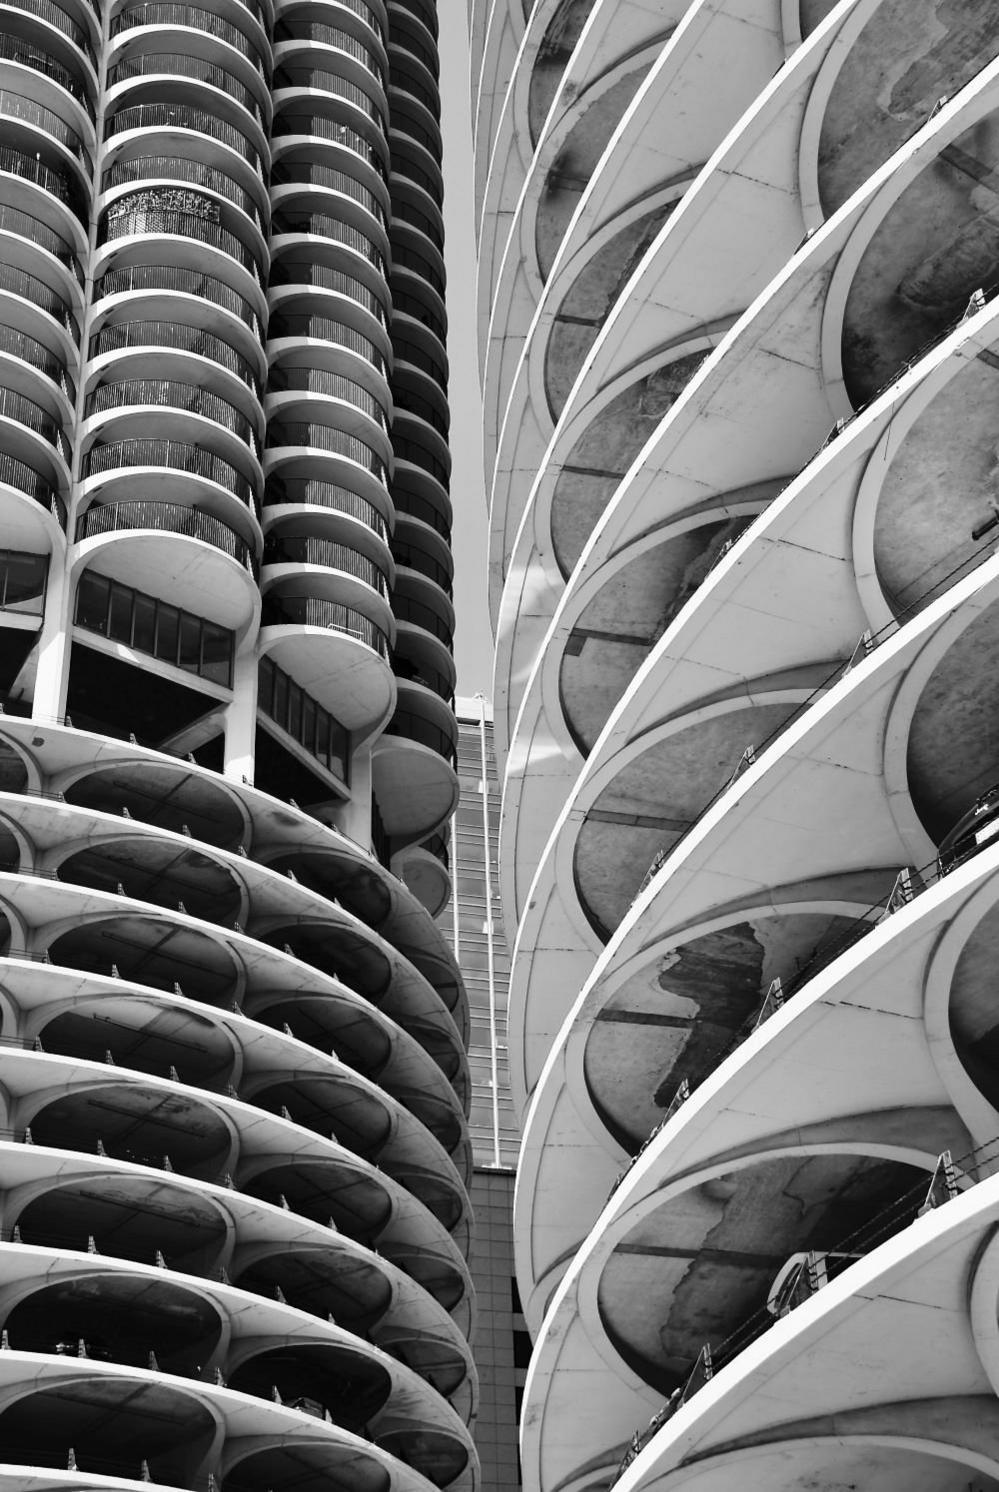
[739, 338]
[233, 1079]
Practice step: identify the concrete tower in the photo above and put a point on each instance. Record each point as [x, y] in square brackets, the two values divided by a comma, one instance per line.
[739, 340]
[232, 1073]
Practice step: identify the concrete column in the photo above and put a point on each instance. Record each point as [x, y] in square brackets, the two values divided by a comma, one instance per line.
[241, 719]
[355, 818]
[52, 650]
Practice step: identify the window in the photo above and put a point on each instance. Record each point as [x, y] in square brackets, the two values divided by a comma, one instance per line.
[150, 626]
[296, 712]
[22, 581]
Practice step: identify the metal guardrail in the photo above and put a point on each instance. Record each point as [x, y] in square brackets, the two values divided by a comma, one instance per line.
[137, 277]
[313, 492]
[182, 65]
[176, 455]
[313, 611]
[174, 518]
[179, 115]
[121, 335]
[948, 1180]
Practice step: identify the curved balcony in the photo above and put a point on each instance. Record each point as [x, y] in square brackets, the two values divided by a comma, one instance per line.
[331, 130]
[27, 349]
[23, 478]
[17, 281]
[339, 655]
[205, 70]
[437, 620]
[57, 182]
[30, 111]
[287, 440]
[23, 411]
[292, 317]
[178, 168]
[303, 86]
[171, 455]
[122, 336]
[170, 393]
[413, 766]
[305, 493]
[290, 379]
[178, 212]
[306, 38]
[135, 278]
[311, 611]
[171, 518]
[195, 18]
[27, 53]
[63, 19]
[416, 551]
[300, 549]
[180, 115]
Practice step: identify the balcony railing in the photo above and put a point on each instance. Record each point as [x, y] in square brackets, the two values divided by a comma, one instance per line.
[325, 329]
[401, 77]
[326, 438]
[321, 225]
[321, 127]
[138, 277]
[425, 733]
[179, 168]
[404, 258]
[58, 183]
[304, 550]
[179, 115]
[319, 494]
[128, 217]
[312, 173]
[409, 352]
[197, 19]
[23, 478]
[311, 611]
[176, 455]
[56, 15]
[174, 334]
[26, 225]
[18, 407]
[332, 36]
[412, 305]
[415, 558]
[414, 451]
[412, 403]
[417, 506]
[405, 212]
[403, 165]
[412, 672]
[325, 277]
[16, 49]
[29, 350]
[408, 610]
[333, 385]
[168, 393]
[198, 69]
[16, 106]
[320, 81]
[17, 281]
[172, 518]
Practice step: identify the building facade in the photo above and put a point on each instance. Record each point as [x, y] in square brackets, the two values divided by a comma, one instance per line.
[233, 1192]
[738, 265]
[473, 924]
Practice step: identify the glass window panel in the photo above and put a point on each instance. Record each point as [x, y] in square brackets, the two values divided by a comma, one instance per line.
[339, 752]
[120, 626]
[92, 597]
[144, 624]
[308, 723]
[190, 642]
[167, 627]
[217, 654]
[280, 697]
[323, 737]
[22, 585]
[265, 686]
[294, 711]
